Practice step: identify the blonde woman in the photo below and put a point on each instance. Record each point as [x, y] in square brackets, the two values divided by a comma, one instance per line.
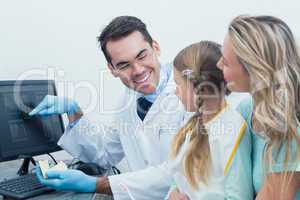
[260, 56]
[211, 151]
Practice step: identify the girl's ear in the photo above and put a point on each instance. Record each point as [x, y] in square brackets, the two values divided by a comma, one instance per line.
[156, 47]
[112, 70]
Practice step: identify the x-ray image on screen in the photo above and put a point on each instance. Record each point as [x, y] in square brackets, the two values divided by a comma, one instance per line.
[18, 131]
[30, 135]
[9, 105]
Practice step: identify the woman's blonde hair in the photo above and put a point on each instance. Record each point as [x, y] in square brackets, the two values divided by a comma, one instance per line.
[266, 47]
[201, 59]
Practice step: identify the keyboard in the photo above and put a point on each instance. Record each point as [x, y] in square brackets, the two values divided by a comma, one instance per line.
[102, 197]
[23, 187]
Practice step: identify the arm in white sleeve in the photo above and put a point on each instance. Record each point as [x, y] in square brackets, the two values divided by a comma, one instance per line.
[90, 142]
[148, 184]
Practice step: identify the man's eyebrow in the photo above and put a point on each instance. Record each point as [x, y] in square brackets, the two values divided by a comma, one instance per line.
[139, 54]
[122, 63]
[126, 62]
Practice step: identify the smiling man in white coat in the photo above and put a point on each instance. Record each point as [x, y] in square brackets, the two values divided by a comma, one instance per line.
[145, 127]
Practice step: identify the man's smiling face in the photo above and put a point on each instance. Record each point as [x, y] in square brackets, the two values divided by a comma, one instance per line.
[135, 62]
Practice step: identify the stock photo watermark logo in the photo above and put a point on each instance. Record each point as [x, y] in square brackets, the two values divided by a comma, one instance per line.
[94, 92]
[70, 89]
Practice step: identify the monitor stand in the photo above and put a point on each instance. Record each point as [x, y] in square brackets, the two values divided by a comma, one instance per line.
[25, 165]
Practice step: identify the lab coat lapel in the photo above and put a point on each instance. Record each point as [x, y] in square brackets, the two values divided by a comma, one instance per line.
[148, 131]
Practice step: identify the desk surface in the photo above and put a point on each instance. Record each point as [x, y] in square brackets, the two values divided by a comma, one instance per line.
[8, 170]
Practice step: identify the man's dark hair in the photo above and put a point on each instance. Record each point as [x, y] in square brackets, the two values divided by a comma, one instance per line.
[121, 27]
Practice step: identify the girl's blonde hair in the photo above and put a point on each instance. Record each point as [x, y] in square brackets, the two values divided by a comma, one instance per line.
[266, 47]
[201, 59]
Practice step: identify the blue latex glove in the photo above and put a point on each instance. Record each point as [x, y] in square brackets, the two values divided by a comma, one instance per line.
[55, 105]
[68, 180]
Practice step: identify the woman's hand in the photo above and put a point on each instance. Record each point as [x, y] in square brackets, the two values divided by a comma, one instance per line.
[276, 188]
[176, 195]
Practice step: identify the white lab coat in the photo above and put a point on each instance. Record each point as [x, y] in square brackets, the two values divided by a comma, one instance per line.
[145, 144]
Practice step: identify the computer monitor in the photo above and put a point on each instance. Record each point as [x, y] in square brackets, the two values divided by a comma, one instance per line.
[26, 136]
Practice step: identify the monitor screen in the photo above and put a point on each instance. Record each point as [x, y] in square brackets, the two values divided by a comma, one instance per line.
[21, 135]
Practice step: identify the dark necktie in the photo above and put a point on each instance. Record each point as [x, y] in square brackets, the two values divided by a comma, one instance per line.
[143, 106]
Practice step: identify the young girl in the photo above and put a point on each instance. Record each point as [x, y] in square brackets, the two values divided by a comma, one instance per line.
[260, 56]
[212, 150]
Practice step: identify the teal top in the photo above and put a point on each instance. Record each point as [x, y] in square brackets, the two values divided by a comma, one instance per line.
[258, 147]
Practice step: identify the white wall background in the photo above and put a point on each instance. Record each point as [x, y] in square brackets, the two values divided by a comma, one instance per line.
[61, 34]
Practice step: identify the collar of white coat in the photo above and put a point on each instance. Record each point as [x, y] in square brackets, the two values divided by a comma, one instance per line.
[166, 83]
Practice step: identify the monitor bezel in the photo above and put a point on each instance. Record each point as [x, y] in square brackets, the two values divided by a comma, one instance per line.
[32, 82]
